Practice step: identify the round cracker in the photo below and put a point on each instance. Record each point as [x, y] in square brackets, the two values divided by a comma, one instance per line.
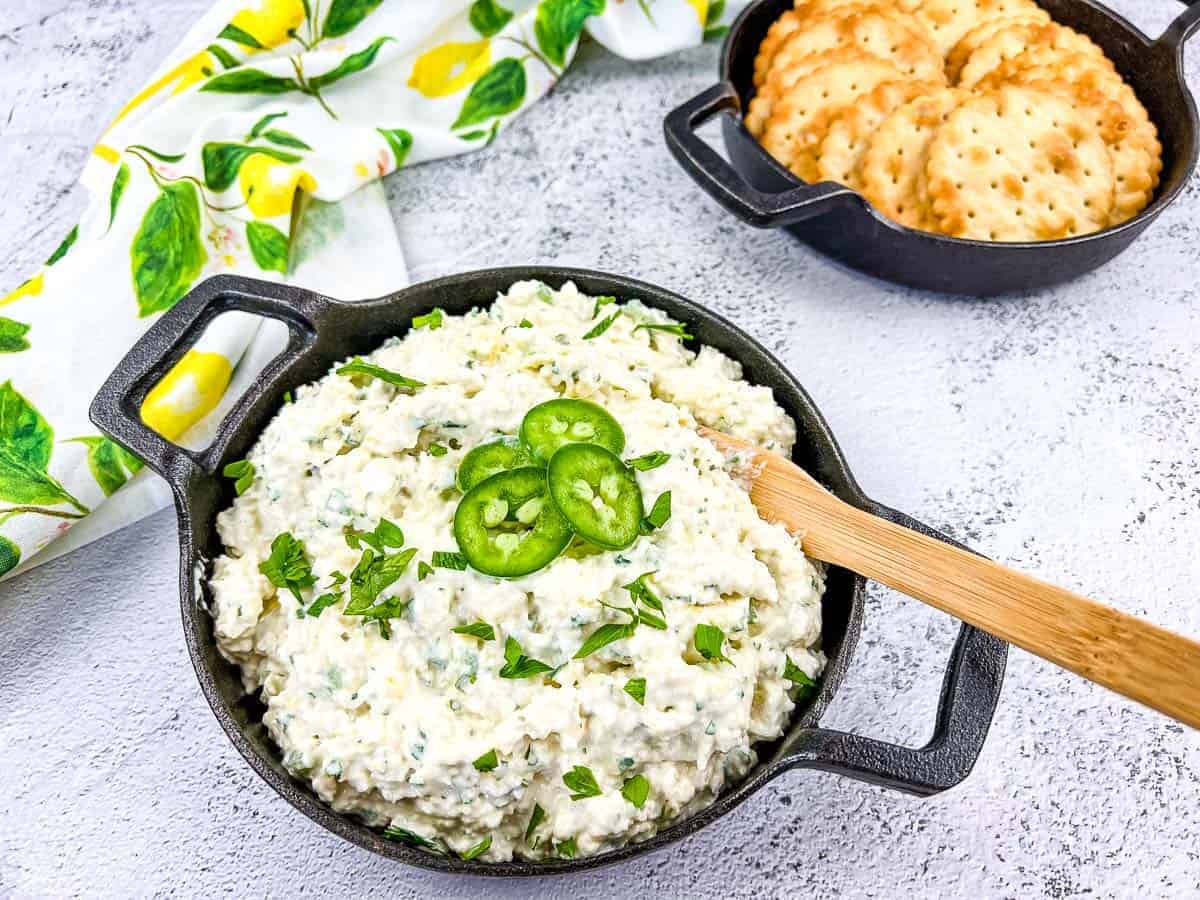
[797, 123]
[948, 20]
[971, 41]
[1013, 40]
[850, 130]
[779, 31]
[893, 169]
[1017, 164]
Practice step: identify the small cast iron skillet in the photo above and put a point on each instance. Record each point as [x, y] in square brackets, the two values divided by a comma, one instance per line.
[838, 222]
[323, 331]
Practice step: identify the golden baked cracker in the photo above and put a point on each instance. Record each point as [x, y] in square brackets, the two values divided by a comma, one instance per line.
[795, 124]
[779, 31]
[849, 133]
[970, 41]
[1044, 63]
[1136, 154]
[1017, 164]
[894, 164]
[1012, 40]
[948, 20]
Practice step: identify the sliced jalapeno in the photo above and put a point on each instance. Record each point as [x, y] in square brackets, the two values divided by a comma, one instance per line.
[597, 494]
[508, 526]
[555, 423]
[487, 460]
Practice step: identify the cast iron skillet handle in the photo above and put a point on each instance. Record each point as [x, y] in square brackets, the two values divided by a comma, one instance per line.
[723, 183]
[970, 692]
[117, 407]
[1172, 40]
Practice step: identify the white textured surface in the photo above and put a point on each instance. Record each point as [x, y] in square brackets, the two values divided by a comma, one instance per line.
[1059, 432]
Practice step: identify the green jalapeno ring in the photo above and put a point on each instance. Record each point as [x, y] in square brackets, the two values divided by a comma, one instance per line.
[597, 494]
[508, 526]
[557, 423]
[489, 459]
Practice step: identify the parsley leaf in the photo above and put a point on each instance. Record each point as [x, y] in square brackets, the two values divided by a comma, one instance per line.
[448, 559]
[372, 575]
[385, 534]
[636, 790]
[518, 665]
[487, 762]
[535, 819]
[424, 570]
[479, 849]
[602, 326]
[680, 331]
[437, 450]
[582, 783]
[432, 319]
[359, 366]
[798, 678]
[709, 640]
[649, 461]
[242, 472]
[288, 565]
[410, 838]
[636, 688]
[481, 630]
[640, 593]
[659, 513]
[605, 635]
[321, 604]
[602, 302]
[524, 323]
[544, 293]
[566, 850]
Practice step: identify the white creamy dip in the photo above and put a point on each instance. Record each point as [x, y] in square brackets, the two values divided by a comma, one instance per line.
[390, 728]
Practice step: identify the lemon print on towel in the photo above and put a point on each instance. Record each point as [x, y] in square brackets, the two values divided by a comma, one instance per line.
[189, 392]
[266, 25]
[450, 68]
[701, 9]
[269, 185]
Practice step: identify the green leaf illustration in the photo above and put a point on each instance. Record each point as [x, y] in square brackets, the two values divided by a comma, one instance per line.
[269, 246]
[223, 161]
[120, 182]
[261, 125]
[400, 141]
[110, 464]
[232, 33]
[10, 555]
[344, 15]
[167, 253]
[559, 23]
[26, 441]
[12, 336]
[227, 59]
[67, 243]
[165, 157]
[487, 17]
[285, 139]
[250, 81]
[498, 91]
[353, 63]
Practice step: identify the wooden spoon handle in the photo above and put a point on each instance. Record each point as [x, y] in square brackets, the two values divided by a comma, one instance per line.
[1132, 657]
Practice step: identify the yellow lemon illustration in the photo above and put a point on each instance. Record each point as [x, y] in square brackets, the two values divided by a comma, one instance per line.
[189, 392]
[30, 288]
[701, 8]
[271, 22]
[450, 67]
[270, 185]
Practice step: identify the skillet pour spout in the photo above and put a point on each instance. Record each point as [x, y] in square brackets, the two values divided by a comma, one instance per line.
[840, 223]
[322, 332]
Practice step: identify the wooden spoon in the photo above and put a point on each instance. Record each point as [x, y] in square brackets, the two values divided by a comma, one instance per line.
[1125, 654]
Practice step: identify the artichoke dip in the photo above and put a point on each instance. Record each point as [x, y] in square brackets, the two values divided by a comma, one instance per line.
[500, 598]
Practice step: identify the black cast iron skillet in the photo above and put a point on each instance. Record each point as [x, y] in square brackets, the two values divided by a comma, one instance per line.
[838, 222]
[323, 331]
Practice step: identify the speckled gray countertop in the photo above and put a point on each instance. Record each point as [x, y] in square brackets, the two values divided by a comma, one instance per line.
[1059, 432]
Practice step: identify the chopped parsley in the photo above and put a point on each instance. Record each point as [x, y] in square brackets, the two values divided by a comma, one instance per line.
[602, 302]
[487, 762]
[636, 688]
[649, 461]
[373, 574]
[518, 665]
[437, 450]
[242, 472]
[449, 559]
[649, 607]
[322, 603]
[385, 534]
[566, 850]
[709, 640]
[432, 319]
[424, 570]
[544, 293]
[524, 323]
[479, 849]
[602, 326]
[410, 838]
[582, 783]
[659, 513]
[680, 331]
[636, 790]
[798, 678]
[288, 565]
[605, 635]
[535, 819]
[481, 630]
[359, 366]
